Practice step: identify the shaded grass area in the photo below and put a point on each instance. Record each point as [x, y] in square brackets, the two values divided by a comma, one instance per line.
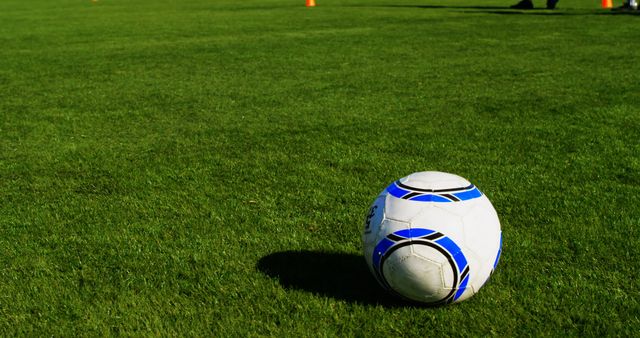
[169, 167]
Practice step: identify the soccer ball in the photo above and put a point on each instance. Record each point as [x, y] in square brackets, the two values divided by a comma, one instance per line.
[432, 237]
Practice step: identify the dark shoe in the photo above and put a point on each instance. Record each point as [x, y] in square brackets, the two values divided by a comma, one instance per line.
[524, 4]
[551, 4]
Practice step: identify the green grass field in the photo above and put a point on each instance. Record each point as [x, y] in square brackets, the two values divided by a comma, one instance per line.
[204, 167]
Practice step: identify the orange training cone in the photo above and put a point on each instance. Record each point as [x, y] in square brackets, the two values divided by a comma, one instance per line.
[312, 3]
[607, 3]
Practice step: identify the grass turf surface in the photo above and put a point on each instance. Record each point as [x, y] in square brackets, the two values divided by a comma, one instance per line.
[203, 167]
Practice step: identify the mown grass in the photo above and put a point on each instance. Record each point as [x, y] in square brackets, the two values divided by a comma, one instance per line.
[203, 167]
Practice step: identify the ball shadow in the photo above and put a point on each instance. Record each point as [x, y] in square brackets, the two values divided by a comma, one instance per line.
[337, 275]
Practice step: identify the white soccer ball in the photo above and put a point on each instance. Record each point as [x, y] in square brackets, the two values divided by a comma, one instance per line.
[432, 237]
